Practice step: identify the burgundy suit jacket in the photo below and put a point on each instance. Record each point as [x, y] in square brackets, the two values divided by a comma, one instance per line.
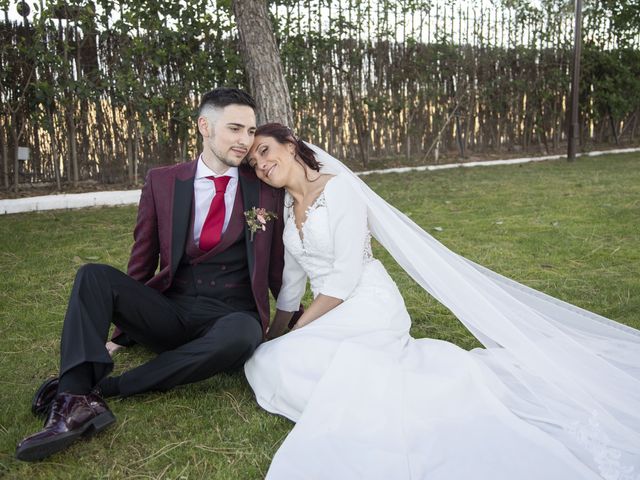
[163, 224]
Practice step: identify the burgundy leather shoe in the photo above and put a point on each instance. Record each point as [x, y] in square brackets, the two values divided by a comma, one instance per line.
[71, 417]
[43, 398]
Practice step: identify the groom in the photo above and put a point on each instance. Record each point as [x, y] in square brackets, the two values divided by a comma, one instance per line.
[204, 310]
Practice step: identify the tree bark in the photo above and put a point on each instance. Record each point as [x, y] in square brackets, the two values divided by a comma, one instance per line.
[5, 158]
[129, 145]
[15, 136]
[37, 165]
[56, 160]
[262, 61]
[73, 147]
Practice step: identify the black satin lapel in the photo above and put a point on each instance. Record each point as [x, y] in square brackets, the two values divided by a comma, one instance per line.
[182, 201]
[250, 197]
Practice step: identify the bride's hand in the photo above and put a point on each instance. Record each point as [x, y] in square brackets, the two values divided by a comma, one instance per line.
[320, 305]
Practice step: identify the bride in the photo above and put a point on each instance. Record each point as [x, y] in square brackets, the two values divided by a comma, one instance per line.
[555, 393]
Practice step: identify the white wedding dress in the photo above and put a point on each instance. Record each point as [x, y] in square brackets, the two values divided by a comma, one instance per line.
[370, 402]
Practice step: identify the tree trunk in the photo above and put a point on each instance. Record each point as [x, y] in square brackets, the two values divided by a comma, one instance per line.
[16, 162]
[84, 135]
[73, 146]
[360, 122]
[262, 61]
[5, 158]
[130, 154]
[102, 158]
[37, 172]
[56, 160]
[131, 146]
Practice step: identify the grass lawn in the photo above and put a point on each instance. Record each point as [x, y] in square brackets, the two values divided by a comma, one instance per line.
[570, 230]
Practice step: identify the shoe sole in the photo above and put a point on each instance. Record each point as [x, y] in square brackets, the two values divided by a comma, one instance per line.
[44, 448]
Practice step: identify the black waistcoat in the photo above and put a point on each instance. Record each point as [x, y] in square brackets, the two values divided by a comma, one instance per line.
[220, 276]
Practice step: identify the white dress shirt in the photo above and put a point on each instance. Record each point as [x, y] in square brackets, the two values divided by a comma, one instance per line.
[204, 190]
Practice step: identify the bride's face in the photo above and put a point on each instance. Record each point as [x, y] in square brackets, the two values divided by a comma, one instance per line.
[272, 161]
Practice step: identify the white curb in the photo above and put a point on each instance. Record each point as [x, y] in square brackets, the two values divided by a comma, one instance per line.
[68, 201]
[128, 197]
[488, 163]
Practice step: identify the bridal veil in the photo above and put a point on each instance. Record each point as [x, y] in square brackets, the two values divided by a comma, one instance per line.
[571, 372]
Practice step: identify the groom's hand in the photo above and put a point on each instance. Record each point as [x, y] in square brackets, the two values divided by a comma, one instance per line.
[112, 347]
[272, 335]
[276, 330]
[279, 325]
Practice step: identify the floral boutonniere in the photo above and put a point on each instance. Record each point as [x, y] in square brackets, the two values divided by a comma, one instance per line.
[257, 219]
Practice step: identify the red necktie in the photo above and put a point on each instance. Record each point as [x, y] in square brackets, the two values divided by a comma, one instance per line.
[212, 227]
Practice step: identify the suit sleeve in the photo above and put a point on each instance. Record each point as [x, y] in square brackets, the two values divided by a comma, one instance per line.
[348, 228]
[145, 252]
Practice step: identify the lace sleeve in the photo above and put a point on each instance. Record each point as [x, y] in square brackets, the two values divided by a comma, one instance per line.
[294, 283]
[294, 278]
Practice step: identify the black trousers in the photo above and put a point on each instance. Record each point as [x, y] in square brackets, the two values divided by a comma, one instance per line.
[194, 340]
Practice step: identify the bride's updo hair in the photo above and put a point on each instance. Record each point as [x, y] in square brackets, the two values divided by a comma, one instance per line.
[283, 135]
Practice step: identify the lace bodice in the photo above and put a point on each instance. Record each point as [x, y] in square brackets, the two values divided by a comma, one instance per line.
[331, 244]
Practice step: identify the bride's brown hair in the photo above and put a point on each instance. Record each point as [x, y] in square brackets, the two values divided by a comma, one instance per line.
[283, 135]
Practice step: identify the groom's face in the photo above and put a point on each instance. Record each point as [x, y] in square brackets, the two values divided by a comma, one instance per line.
[227, 134]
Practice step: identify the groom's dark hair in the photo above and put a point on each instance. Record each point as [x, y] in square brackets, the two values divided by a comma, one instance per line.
[223, 96]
